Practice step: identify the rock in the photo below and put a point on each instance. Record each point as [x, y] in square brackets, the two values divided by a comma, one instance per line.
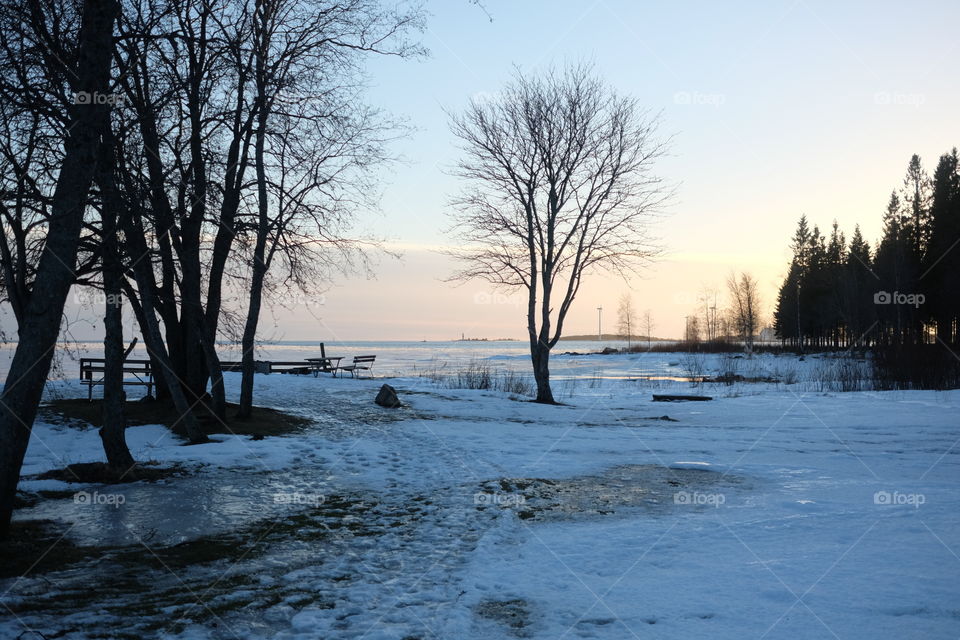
[387, 397]
[608, 351]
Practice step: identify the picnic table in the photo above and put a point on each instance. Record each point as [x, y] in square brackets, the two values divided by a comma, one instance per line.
[325, 364]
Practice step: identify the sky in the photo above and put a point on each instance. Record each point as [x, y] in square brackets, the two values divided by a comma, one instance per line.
[777, 109]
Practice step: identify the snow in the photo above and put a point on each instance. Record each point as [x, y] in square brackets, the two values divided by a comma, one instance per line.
[774, 511]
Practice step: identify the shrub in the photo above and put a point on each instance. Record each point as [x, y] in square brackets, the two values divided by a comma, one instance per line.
[480, 375]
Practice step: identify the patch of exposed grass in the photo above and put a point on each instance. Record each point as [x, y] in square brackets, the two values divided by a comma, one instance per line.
[652, 488]
[38, 546]
[102, 473]
[262, 422]
[515, 614]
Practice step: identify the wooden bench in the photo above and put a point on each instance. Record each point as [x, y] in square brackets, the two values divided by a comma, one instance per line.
[92, 370]
[267, 366]
[360, 363]
[298, 367]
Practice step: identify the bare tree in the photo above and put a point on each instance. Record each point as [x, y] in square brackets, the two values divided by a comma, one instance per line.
[626, 317]
[559, 179]
[708, 301]
[744, 307]
[648, 325]
[183, 99]
[691, 333]
[313, 138]
[87, 70]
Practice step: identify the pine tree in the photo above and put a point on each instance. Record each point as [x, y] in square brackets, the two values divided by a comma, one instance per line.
[941, 277]
[786, 314]
[916, 202]
[859, 280]
[834, 272]
[801, 259]
[890, 265]
[815, 290]
[830, 296]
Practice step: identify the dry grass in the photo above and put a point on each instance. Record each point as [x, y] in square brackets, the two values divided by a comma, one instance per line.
[479, 375]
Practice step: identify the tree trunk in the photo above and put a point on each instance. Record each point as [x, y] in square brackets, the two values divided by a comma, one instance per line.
[187, 422]
[259, 251]
[248, 341]
[218, 396]
[540, 348]
[112, 433]
[541, 372]
[237, 157]
[191, 225]
[54, 276]
[153, 339]
[799, 335]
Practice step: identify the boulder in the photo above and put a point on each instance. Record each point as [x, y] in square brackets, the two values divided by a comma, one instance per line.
[387, 397]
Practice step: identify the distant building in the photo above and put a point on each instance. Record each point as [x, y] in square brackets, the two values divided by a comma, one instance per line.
[767, 334]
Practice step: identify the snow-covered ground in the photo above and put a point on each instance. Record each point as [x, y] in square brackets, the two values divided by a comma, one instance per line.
[776, 510]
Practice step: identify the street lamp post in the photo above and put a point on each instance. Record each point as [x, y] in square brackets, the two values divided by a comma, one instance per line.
[599, 324]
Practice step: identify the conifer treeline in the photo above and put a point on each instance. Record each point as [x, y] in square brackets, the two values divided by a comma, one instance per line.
[902, 292]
